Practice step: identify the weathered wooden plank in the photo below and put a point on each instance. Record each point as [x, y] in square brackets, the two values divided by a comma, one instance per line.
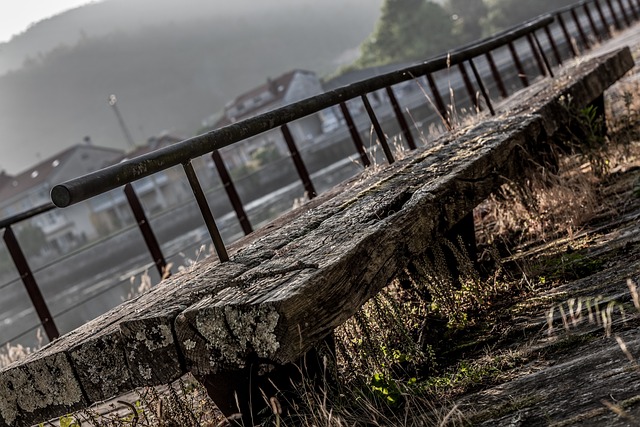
[351, 255]
[138, 349]
[43, 384]
[288, 285]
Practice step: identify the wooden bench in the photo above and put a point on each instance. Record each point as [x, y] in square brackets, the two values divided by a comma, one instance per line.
[290, 284]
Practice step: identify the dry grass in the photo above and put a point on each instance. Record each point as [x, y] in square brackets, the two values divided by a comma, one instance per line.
[542, 209]
[13, 353]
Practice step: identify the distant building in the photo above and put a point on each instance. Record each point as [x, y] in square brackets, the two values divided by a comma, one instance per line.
[332, 117]
[67, 228]
[63, 228]
[158, 192]
[275, 93]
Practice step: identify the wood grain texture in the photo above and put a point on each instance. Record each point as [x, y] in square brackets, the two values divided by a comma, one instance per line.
[287, 286]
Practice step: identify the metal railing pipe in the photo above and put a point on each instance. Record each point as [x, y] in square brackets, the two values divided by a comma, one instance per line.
[542, 53]
[90, 185]
[567, 36]
[4, 223]
[625, 15]
[633, 10]
[537, 54]
[554, 46]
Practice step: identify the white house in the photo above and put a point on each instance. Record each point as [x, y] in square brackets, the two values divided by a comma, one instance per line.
[63, 228]
[156, 193]
[275, 93]
[67, 228]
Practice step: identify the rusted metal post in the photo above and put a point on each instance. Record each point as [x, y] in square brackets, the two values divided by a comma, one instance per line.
[516, 60]
[607, 30]
[634, 10]
[29, 281]
[378, 129]
[483, 89]
[469, 86]
[592, 23]
[563, 27]
[536, 55]
[147, 232]
[496, 75]
[297, 161]
[355, 135]
[232, 193]
[201, 199]
[583, 35]
[402, 121]
[442, 110]
[554, 46]
[616, 21]
[543, 55]
[382, 138]
[625, 15]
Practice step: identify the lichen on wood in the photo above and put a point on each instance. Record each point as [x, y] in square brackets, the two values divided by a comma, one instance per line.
[28, 391]
[229, 335]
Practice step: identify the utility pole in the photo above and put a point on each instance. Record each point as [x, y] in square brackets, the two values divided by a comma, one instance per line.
[113, 102]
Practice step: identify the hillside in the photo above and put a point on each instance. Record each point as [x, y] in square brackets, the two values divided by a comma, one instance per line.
[170, 66]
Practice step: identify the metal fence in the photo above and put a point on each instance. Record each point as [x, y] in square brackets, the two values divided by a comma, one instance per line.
[567, 32]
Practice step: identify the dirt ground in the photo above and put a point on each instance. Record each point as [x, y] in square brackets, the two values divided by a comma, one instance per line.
[567, 350]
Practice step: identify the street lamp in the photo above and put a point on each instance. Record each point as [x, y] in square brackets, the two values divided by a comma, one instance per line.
[113, 102]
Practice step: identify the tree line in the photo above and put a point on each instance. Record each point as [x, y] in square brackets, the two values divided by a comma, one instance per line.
[410, 30]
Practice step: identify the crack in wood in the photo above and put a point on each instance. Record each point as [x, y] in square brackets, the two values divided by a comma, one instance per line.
[255, 276]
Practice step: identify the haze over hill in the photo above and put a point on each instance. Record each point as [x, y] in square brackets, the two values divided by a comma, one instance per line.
[171, 65]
